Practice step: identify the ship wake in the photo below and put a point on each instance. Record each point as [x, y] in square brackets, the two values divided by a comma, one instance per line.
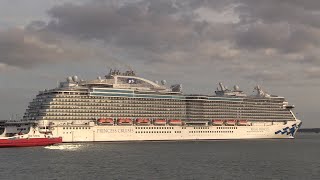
[65, 147]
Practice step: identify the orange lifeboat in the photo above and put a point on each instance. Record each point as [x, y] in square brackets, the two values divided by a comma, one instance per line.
[217, 122]
[175, 122]
[231, 122]
[143, 122]
[108, 121]
[242, 122]
[159, 122]
[124, 122]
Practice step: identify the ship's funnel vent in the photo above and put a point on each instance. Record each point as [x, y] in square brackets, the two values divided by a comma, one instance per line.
[176, 88]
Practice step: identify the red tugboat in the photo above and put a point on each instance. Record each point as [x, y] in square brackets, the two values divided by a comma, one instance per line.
[33, 138]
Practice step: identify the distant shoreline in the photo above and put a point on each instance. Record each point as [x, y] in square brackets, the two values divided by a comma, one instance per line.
[309, 130]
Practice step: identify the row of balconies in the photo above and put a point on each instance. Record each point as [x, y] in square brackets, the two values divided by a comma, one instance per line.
[130, 100]
[233, 108]
[163, 104]
[161, 112]
[110, 106]
[171, 113]
[105, 109]
[113, 104]
[192, 110]
[110, 100]
[93, 102]
[239, 111]
[118, 116]
[111, 112]
[68, 108]
[227, 104]
[242, 102]
[242, 105]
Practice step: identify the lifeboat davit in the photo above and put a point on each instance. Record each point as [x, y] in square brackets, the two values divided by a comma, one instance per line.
[217, 122]
[175, 122]
[108, 121]
[33, 138]
[231, 122]
[159, 122]
[143, 122]
[124, 122]
[242, 122]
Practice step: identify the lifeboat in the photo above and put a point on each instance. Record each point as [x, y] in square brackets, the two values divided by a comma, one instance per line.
[159, 122]
[231, 122]
[124, 122]
[242, 122]
[175, 122]
[143, 122]
[217, 122]
[108, 121]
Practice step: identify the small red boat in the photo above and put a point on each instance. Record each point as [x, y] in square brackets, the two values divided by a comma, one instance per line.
[33, 138]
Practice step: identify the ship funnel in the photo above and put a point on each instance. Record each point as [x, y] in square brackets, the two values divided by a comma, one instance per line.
[222, 86]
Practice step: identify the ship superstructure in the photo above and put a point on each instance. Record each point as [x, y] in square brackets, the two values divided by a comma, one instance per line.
[123, 107]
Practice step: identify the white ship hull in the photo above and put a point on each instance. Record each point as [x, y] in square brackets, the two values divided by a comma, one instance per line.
[85, 133]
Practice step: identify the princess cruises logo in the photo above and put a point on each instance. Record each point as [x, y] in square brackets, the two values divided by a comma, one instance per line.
[131, 81]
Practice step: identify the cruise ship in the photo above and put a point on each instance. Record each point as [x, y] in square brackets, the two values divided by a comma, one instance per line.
[124, 107]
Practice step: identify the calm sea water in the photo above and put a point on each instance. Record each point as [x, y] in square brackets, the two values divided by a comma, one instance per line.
[245, 159]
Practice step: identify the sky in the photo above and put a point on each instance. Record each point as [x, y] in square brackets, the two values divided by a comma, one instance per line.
[198, 43]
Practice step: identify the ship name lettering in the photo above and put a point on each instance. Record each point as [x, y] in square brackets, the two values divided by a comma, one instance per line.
[259, 129]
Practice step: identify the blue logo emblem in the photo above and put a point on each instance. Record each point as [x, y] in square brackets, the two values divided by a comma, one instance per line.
[288, 130]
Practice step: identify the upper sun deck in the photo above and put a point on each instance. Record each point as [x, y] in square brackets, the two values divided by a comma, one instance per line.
[128, 81]
[117, 80]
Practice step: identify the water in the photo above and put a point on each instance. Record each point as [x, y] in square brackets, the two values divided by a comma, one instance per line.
[246, 159]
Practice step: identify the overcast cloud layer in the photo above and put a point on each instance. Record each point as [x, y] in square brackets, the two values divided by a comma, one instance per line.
[261, 39]
[271, 41]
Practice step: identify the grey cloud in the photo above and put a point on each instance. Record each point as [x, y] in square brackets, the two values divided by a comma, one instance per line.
[281, 36]
[134, 26]
[287, 25]
[20, 48]
[273, 11]
[170, 32]
[312, 72]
